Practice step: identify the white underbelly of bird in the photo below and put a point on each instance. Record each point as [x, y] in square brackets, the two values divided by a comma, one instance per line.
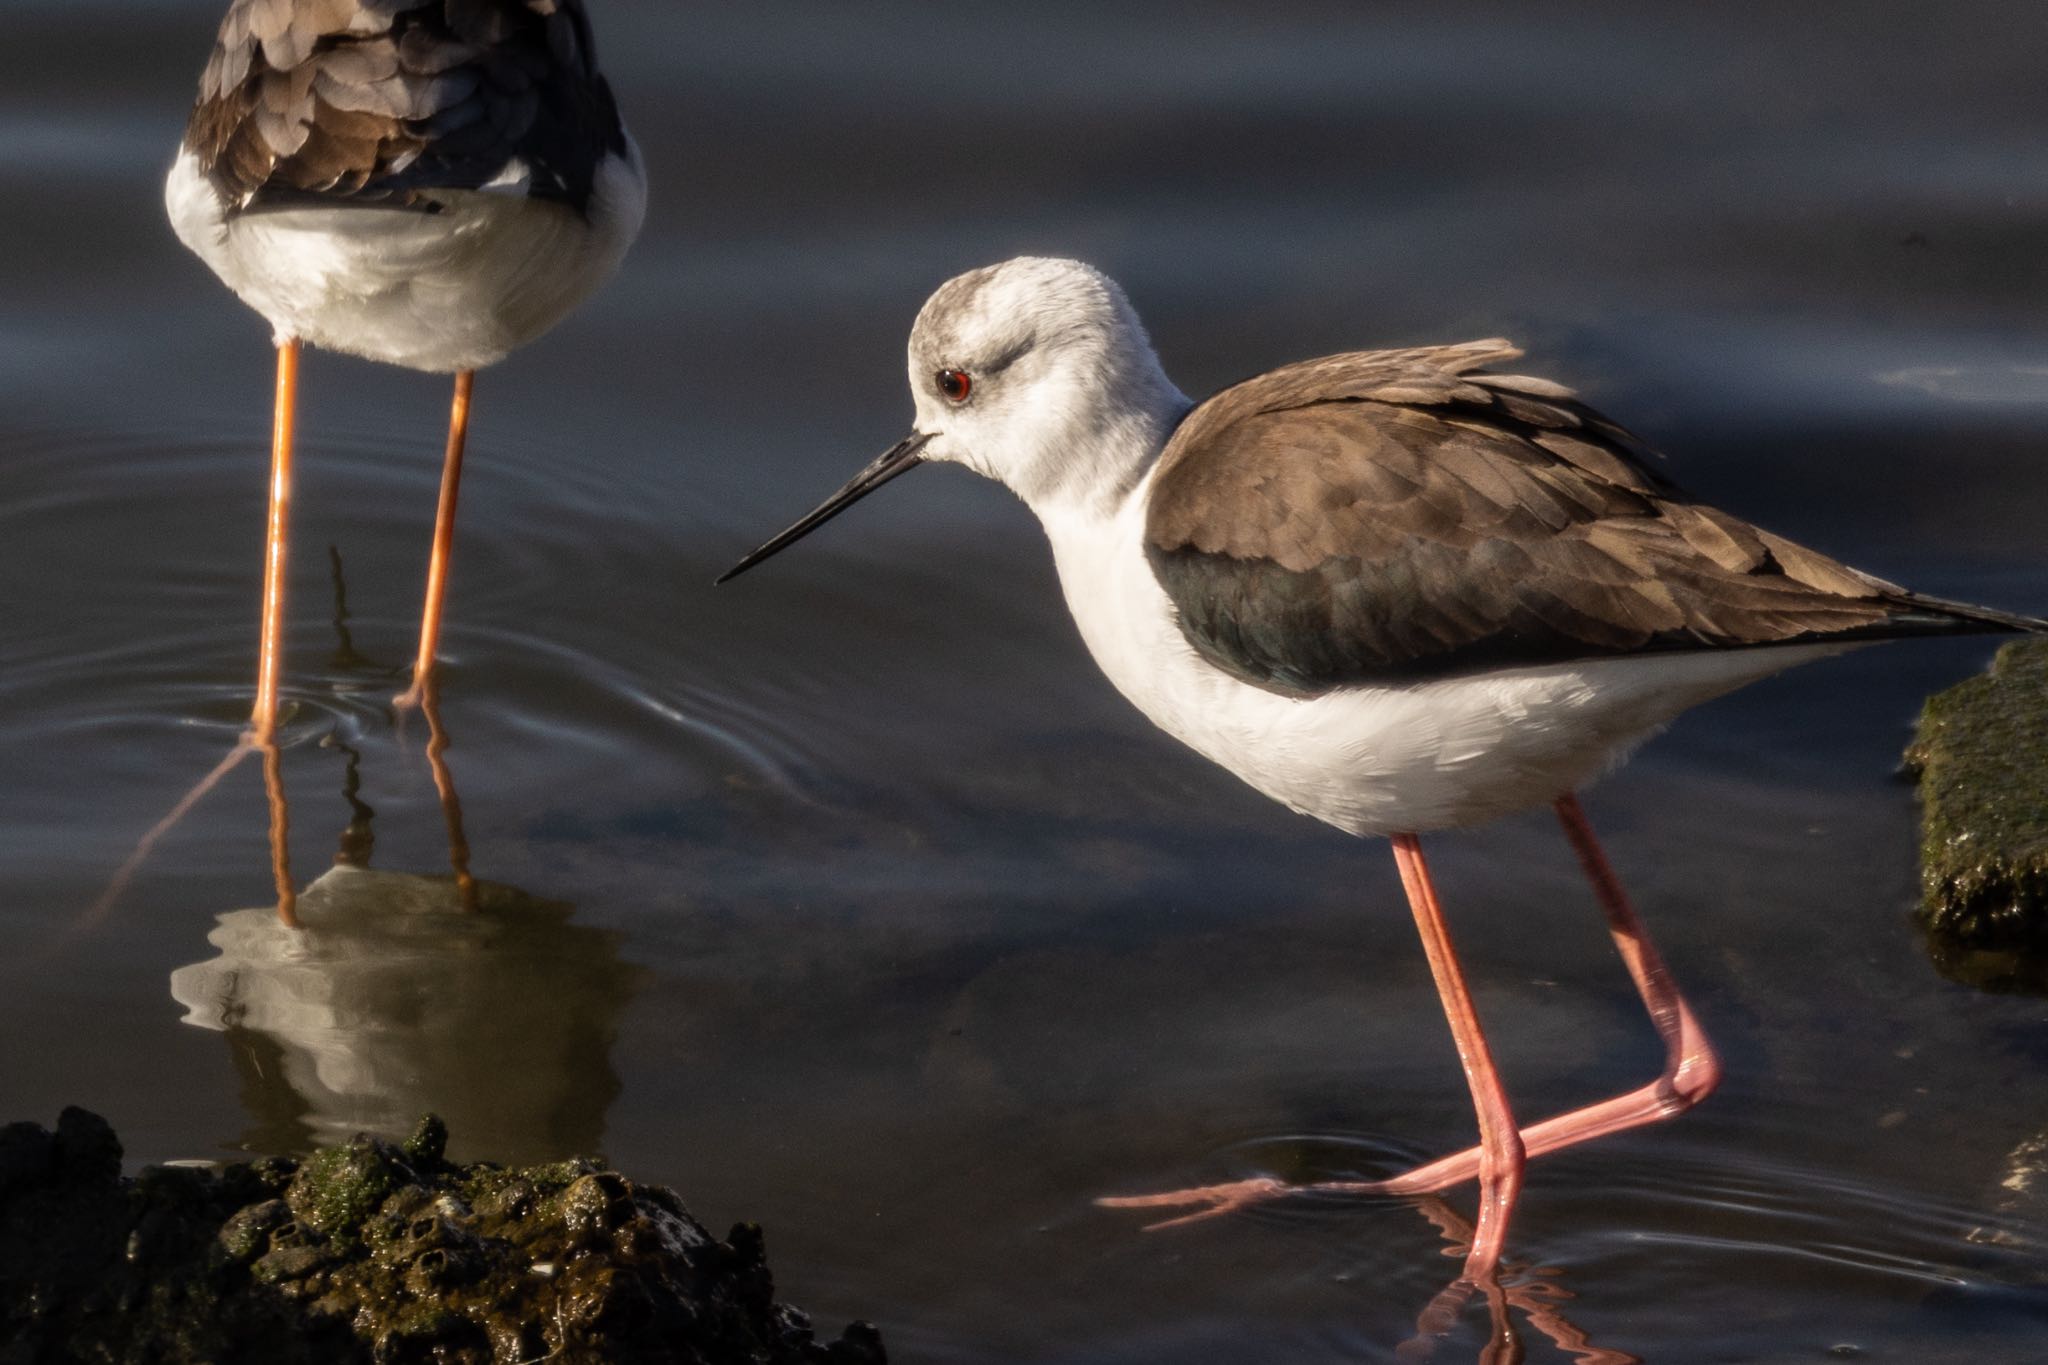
[1379, 760]
[443, 291]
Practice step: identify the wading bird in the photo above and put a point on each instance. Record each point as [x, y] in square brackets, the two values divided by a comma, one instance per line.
[430, 183]
[1393, 590]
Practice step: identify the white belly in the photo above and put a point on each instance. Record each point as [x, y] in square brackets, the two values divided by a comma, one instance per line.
[454, 290]
[1379, 760]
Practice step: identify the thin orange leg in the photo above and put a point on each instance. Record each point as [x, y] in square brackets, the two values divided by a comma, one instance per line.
[262, 731]
[444, 540]
[1691, 1071]
[270, 659]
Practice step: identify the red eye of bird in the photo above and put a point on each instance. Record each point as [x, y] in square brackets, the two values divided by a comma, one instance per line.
[956, 385]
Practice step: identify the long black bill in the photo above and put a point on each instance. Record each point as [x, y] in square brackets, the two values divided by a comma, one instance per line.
[895, 460]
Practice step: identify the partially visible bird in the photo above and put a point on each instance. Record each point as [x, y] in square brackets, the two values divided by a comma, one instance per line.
[1394, 590]
[430, 183]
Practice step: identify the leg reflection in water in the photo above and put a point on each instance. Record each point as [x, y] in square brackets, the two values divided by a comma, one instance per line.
[361, 1000]
[280, 833]
[1534, 1290]
[396, 992]
[347, 665]
[428, 686]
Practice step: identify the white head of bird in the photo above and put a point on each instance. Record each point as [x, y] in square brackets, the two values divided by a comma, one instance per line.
[1037, 373]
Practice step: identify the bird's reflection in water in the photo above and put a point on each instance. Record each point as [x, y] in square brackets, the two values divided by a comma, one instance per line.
[370, 996]
[1534, 1291]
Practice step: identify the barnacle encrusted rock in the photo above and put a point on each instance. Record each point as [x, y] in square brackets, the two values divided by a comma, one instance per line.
[370, 1252]
[1981, 758]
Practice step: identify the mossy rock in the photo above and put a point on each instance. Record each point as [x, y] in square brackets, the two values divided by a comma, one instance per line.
[337, 1189]
[369, 1252]
[1980, 755]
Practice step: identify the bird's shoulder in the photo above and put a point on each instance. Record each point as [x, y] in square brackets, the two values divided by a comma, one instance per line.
[384, 102]
[1391, 515]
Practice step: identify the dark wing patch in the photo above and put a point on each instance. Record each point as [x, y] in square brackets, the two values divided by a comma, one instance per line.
[385, 101]
[1394, 516]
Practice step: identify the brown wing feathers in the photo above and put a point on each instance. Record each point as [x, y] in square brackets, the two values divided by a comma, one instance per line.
[383, 101]
[1400, 515]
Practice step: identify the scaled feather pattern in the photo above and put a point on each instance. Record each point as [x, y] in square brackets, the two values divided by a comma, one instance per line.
[384, 102]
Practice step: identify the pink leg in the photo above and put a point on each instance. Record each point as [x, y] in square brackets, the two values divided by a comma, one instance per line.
[1691, 1071]
[1501, 1156]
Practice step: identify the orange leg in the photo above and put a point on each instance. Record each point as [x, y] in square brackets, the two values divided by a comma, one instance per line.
[262, 731]
[263, 719]
[1691, 1071]
[444, 540]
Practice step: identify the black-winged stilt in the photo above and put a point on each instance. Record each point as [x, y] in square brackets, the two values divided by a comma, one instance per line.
[430, 183]
[1393, 590]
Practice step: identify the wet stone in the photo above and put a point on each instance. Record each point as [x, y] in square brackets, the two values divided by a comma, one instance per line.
[290, 1263]
[86, 1150]
[370, 1252]
[337, 1190]
[1980, 756]
[248, 1230]
[596, 1204]
[428, 1143]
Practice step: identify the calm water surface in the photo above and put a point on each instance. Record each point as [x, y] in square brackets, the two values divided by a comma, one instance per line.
[849, 898]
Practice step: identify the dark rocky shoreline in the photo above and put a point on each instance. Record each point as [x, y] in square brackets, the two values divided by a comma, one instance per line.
[373, 1252]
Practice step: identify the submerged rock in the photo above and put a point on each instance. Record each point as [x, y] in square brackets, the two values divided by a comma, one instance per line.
[373, 1252]
[1980, 756]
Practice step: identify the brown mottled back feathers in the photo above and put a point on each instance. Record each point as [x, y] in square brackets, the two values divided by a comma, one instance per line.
[1396, 515]
[384, 101]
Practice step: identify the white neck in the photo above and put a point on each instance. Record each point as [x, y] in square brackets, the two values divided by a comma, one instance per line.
[1105, 459]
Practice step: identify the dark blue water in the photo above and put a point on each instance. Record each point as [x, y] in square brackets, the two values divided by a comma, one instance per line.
[849, 898]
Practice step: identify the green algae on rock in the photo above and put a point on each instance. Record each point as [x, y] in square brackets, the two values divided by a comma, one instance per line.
[374, 1253]
[1980, 755]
